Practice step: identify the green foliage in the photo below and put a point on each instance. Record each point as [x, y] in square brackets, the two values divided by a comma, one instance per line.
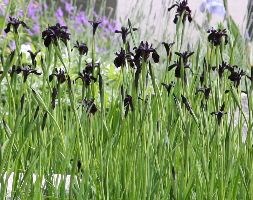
[171, 145]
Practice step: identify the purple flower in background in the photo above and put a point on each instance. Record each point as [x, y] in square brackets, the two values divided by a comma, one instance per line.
[68, 7]
[3, 6]
[33, 12]
[81, 18]
[109, 26]
[35, 29]
[20, 13]
[105, 24]
[33, 9]
[116, 24]
[60, 16]
[213, 7]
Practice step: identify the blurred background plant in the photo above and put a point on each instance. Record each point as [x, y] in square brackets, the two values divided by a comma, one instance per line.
[39, 14]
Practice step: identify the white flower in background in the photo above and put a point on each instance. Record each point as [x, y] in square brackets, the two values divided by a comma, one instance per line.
[215, 7]
[25, 48]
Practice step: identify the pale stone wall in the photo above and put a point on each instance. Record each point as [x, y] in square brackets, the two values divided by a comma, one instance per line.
[152, 16]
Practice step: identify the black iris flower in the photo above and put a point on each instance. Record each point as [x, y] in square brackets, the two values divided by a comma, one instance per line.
[168, 47]
[82, 48]
[219, 114]
[205, 90]
[126, 56]
[90, 66]
[181, 62]
[183, 11]
[144, 50]
[86, 76]
[178, 66]
[54, 33]
[25, 70]
[33, 57]
[124, 32]
[14, 23]
[60, 75]
[90, 106]
[142, 53]
[221, 68]
[236, 75]
[120, 60]
[128, 104]
[95, 25]
[168, 87]
[215, 36]
[184, 56]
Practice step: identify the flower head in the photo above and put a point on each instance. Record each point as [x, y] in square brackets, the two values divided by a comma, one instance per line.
[14, 23]
[54, 33]
[221, 68]
[183, 11]
[95, 25]
[168, 47]
[213, 7]
[26, 71]
[90, 105]
[69, 8]
[86, 76]
[81, 18]
[219, 114]
[144, 50]
[215, 36]
[60, 75]
[205, 90]
[60, 16]
[168, 87]
[184, 56]
[124, 32]
[82, 48]
[33, 57]
[236, 75]
[181, 62]
[33, 9]
[120, 60]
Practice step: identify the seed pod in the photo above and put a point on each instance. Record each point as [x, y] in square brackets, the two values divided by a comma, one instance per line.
[44, 120]
[22, 102]
[54, 95]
